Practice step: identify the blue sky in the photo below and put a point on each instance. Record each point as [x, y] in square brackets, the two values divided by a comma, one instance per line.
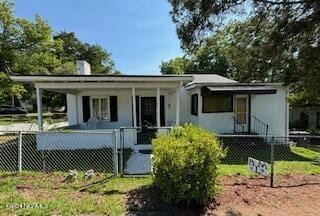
[138, 33]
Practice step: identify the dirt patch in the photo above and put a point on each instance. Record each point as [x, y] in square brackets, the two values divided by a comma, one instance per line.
[147, 201]
[292, 195]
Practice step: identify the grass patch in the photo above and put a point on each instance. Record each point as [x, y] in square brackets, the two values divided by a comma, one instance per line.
[101, 195]
[55, 160]
[288, 159]
[48, 117]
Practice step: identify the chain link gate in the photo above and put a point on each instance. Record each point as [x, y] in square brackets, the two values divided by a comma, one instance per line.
[136, 149]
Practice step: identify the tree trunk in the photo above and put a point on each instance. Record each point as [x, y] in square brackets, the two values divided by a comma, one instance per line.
[12, 99]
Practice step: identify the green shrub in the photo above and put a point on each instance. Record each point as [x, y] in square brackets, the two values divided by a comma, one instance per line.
[185, 164]
[314, 131]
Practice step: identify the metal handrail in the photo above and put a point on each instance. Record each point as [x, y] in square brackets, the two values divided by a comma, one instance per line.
[236, 125]
[259, 126]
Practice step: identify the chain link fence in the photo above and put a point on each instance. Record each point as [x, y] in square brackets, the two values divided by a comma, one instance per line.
[293, 155]
[239, 149]
[130, 150]
[298, 157]
[58, 151]
[284, 155]
[9, 151]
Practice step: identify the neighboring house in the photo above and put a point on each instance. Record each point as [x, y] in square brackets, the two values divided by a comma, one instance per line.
[211, 101]
[304, 117]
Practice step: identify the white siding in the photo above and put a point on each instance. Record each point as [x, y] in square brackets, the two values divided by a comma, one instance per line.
[217, 122]
[186, 108]
[124, 107]
[170, 109]
[72, 109]
[272, 109]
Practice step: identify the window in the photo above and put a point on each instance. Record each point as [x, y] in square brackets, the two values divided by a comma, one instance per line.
[194, 104]
[100, 108]
[217, 103]
[149, 106]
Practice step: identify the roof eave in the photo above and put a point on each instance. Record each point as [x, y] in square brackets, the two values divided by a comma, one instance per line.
[195, 85]
[35, 79]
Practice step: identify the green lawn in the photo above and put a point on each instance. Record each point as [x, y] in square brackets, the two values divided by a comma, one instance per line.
[100, 160]
[293, 159]
[108, 195]
[101, 195]
[32, 118]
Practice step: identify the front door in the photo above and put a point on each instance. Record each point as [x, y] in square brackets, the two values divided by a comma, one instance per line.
[148, 111]
[241, 113]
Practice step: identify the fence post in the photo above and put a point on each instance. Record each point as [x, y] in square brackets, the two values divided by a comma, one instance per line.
[121, 150]
[272, 162]
[115, 152]
[20, 152]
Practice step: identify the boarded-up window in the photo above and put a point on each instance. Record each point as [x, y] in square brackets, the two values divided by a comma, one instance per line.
[217, 103]
[241, 110]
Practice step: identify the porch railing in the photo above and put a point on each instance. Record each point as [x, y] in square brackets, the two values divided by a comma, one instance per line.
[259, 127]
[237, 126]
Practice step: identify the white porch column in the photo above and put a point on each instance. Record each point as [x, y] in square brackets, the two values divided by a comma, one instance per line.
[134, 110]
[158, 108]
[178, 106]
[39, 108]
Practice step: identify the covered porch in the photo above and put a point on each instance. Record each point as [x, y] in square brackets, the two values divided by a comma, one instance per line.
[117, 101]
[107, 103]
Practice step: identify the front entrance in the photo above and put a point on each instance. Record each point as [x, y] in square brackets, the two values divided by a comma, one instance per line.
[241, 113]
[148, 111]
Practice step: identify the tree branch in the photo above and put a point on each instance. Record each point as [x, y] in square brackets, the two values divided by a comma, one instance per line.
[285, 2]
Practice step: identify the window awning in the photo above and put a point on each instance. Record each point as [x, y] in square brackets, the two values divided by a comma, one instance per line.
[239, 89]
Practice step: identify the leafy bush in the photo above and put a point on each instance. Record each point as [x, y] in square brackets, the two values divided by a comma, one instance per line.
[185, 164]
[314, 131]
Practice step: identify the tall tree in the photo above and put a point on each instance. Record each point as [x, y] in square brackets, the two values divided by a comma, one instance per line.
[209, 58]
[177, 65]
[29, 47]
[73, 49]
[25, 48]
[279, 41]
[195, 19]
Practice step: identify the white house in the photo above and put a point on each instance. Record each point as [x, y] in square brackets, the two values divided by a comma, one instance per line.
[212, 101]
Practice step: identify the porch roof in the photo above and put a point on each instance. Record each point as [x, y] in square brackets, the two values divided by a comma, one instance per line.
[102, 78]
[72, 84]
[239, 89]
